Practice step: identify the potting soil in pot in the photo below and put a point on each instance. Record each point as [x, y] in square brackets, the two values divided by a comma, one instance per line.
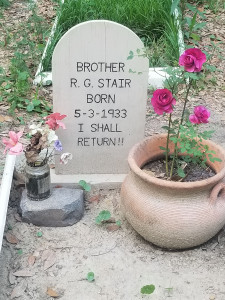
[192, 171]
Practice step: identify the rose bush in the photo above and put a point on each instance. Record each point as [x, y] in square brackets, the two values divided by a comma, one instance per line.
[184, 131]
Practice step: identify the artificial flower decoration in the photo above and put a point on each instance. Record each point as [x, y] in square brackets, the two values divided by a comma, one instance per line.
[52, 137]
[54, 121]
[192, 59]
[163, 101]
[12, 144]
[201, 115]
[42, 137]
[58, 145]
[34, 128]
[65, 157]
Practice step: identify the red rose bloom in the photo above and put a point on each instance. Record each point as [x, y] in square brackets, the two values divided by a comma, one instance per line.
[163, 101]
[192, 59]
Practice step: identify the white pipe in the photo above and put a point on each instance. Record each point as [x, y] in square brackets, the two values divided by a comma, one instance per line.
[43, 77]
[5, 191]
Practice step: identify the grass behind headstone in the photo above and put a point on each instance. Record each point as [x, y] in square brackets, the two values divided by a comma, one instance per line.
[149, 19]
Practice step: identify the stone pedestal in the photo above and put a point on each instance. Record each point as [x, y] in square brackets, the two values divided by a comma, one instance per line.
[64, 207]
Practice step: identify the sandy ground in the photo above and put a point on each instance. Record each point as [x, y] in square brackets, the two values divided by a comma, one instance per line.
[121, 260]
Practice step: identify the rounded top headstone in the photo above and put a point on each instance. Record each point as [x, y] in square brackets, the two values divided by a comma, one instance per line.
[100, 83]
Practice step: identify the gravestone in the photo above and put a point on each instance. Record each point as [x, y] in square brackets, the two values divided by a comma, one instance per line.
[103, 92]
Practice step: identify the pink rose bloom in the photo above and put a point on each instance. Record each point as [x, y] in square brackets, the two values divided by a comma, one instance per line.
[192, 59]
[201, 115]
[163, 101]
[54, 121]
[12, 144]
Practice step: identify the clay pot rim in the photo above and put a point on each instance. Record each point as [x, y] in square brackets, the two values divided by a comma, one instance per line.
[173, 184]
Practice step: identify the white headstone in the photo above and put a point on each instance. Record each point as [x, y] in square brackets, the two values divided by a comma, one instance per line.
[103, 95]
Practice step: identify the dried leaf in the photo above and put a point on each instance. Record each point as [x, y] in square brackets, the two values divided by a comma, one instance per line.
[52, 293]
[112, 227]
[50, 261]
[4, 84]
[19, 289]
[201, 8]
[94, 199]
[36, 254]
[12, 278]
[11, 238]
[46, 254]
[5, 118]
[17, 217]
[24, 273]
[31, 260]
[8, 119]
[111, 220]
[114, 202]
[5, 107]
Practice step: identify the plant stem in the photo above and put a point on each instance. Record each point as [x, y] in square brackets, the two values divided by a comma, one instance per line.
[167, 146]
[45, 159]
[181, 122]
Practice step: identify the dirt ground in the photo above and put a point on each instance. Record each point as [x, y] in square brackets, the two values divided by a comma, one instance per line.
[50, 263]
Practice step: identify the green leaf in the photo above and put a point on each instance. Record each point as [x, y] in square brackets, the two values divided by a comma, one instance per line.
[39, 234]
[104, 215]
[41, 47]
[21, 120]
[199, 25]
[193, 21]
[131, 71]
[195, 37]
[174, 6]
[20, 251]
[36, 102]
[138, 51]
[131, 55]
[118, 223]
[23, 75]
[8, 86]
[192, 76]
[180, 172]
[165, 127]
[90, 276]
[194, 10]
[28, 135]
[86, 186]
[173, 139]
[162, 148]
[148, 289]
[10, 227]
[213, 159]
[210, 68]
[30, 107]
[48, 82]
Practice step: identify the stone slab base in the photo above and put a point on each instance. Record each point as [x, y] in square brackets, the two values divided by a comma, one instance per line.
[64, 207]
[108, 181]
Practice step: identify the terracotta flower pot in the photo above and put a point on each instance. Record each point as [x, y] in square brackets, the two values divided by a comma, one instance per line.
[172, 214]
